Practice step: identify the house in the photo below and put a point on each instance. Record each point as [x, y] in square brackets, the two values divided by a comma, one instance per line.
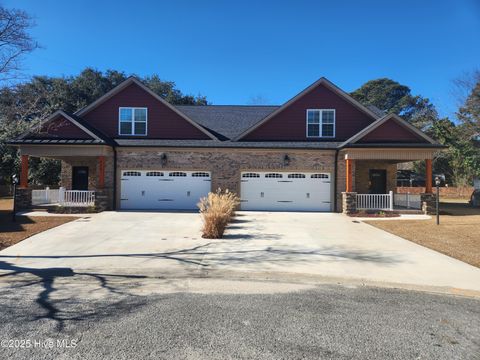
[136, 151]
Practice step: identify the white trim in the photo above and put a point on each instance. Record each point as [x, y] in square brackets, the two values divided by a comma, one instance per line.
[320, 124]
[323, 81]
[133, 80]
[133, 121]
[381, 121]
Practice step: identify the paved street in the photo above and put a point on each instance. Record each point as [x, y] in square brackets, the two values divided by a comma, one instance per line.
[115, 317]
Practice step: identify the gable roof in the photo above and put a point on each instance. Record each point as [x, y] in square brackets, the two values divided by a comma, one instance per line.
[133, 80]
[370, 128]
[322, 81]
[96, 135]
[227, 121]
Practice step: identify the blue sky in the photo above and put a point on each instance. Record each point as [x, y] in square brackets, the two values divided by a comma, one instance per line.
[234, 51]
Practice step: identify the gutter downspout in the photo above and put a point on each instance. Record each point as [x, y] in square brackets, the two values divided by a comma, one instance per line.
[114, 207]
[335, 166]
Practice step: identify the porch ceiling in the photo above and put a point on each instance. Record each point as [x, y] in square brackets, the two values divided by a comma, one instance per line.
[400, 154]
[61, 151]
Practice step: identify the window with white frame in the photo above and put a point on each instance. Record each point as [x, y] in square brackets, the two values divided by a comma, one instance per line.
[320, 123]
[132, 121]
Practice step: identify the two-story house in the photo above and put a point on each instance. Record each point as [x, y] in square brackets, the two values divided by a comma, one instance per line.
[137, 151]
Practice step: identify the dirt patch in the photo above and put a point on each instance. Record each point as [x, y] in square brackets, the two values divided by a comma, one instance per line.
[25, 226]
[458, 234]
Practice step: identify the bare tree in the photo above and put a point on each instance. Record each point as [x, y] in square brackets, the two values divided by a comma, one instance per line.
[463, 86]
[15, 41]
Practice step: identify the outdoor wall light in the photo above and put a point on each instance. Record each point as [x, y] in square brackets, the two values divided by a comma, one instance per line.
[163, 159]
[286, 160]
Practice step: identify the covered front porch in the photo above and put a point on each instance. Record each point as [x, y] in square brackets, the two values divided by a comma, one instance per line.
[371, 179]
[86, 177]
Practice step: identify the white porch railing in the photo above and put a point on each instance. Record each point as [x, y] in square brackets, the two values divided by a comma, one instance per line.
[409, 201]
[72, 198]
[46, 196]
[375, 201]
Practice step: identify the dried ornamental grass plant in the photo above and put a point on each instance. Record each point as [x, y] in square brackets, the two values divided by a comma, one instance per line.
[216, 210]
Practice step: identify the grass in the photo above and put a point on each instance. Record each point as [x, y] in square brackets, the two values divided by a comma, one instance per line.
[25, 226]
[458, 234]
[217, 210]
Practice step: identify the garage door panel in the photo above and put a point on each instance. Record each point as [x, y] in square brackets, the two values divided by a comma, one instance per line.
[163, 190]
[282, 191]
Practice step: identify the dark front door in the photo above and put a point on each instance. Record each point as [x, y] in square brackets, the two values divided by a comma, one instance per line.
[80, 178]
[378, 181]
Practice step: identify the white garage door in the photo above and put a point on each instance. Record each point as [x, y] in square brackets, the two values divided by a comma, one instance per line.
[282, 191]
[163, 190]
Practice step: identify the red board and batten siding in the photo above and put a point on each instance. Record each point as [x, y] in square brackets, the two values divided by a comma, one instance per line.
[391, 131]
[162, 122]
[290, 123]
[60, 128]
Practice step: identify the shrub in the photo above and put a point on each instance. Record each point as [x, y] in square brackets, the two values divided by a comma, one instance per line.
[216, 210]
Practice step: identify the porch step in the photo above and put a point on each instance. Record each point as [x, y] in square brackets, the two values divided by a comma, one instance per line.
[408, 211]
[45, 208]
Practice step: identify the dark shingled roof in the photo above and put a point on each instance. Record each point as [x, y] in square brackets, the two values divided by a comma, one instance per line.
[229, 144]
[58, 141]
[226, 121]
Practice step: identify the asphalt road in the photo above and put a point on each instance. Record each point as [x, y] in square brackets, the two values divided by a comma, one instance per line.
[325, 321]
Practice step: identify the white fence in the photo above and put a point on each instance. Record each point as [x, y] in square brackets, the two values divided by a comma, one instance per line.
[72, 198]
[375, 201]
[46, 196]
[409, 201]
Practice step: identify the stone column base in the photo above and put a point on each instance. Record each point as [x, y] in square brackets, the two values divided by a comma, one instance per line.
[23, 198]
[349, 203]
[103, 199]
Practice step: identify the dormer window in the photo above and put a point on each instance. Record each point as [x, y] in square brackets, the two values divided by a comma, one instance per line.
[321, 123]
[132, 121]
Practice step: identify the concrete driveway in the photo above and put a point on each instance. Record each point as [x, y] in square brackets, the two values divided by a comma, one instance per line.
[271, 245]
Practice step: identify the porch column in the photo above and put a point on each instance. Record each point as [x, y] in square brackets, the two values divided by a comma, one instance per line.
[24, 172]
[349, 175]
[101, 172]
[428, 176]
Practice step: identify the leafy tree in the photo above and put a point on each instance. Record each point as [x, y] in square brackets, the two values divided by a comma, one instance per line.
[167, 90]
[461, 160]
[393, 97]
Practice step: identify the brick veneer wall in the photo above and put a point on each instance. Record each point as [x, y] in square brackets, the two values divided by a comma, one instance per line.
[227, 164]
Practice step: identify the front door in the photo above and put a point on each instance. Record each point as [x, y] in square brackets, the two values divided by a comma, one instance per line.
[378, 181]
[80, 178]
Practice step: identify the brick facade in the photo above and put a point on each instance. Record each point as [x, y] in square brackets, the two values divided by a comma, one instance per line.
[225, 164]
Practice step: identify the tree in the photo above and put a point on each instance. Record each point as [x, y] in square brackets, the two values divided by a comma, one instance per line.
[167, 90]
[461, 160]
[469, 112]
[15, 41]
[393, 97]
